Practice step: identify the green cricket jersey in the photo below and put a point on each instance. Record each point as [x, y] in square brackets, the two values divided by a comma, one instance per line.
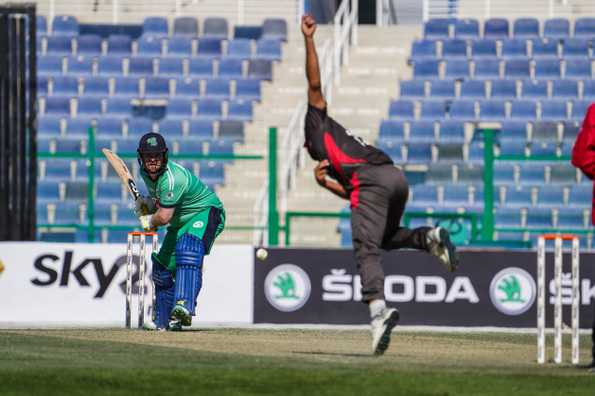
[178, 187]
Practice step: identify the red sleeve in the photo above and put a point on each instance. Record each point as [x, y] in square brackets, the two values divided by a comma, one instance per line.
[583, 152]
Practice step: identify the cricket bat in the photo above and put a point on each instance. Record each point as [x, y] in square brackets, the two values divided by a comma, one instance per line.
[122, 171]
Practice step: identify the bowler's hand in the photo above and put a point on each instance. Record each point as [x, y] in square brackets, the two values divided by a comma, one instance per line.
[308, 25]
[321, 171]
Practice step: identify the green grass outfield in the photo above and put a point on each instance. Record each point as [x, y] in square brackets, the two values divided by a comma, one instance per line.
[279, 362]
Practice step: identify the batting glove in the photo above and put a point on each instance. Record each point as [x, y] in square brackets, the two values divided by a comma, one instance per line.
[145, 222]
[144, 206]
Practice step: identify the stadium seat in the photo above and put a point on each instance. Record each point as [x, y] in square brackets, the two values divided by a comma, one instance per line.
[240, 110]
[157, 87]
[547, 69]
[58, 170]
[412, 89]
[512, 147]
[442, 89]
[68, 145]
[268, 49]
[523, 109]
[487, 69]
[456, 195]
[171, 67]
[190, 147]
[504, 89]
[451, 152]
[394, 149]
[126, 86]
[179, 108]
[41, 25]
[492, 109]
[484, 49]
[248, 89]
[534, 89]
[65, 25]
[437, 28]
[514, 130]
[550, 196]
[109, 126]
[215, 27]
[119, 106]
[119, 44]
[212, 173]
[589, 90]
[150, 46]
[565, 89]
[420, 153]
[457, 69]
[470, 174]
[497, 28]
[575, 48]
[89, 44]
[426, 69]
[422, 132]
[80, 65]
[110, 65]
[504, 173]
[431, 110]
[563, 173]
[140, 66]
[209, 46]
[217, 88]
[556, 28]
[391, 131]
[467, 28]
[424, 195]
[274, 28]
[584, 27]
[138, 126]
[532, 173]
[247, 32]
[517, 68]
[69, 212]
[546, 131]
[452, 131]
[42, 85]
[539, 218]
[454, 48]
[508, 217]
[50, 65]
[572, 218]
[473, 89]
[185, 26]
[59, 106]
[579, 194]
[221, 147]
[89, 106]
[187, 88]
[47, 191]
[423, 49]
[65, 86]
[200, 68]
[518, 197]
[578, 69]
[179, 46]
[79, 126]
[462, 110]
[155, 26]
[401, 109]
[209, 109]
[230, 68]
[239, 48]
[571, 129]
[171, 128]
[545, 48]
[59, 45]
[49, 126]
[260, 69]
[540, 149]
[514, 48]
[554, 110]
[526, 28]
[579, 109]
[200, 129]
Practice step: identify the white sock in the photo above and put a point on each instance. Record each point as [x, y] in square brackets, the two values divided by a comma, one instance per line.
[432, 236]
[376, 306]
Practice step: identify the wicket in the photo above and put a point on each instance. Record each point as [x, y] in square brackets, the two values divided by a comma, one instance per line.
[141, 275]
[541, 296]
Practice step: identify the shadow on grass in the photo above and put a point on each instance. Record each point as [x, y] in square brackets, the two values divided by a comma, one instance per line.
[357, 355]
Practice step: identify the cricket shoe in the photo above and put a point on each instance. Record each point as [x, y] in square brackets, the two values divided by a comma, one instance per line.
[180, 313]
[439, 245]
[382, 326]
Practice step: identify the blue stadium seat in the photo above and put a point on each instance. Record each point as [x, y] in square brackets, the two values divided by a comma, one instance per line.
[424, 195]
[467, 28]
[514, 48]
[426, 69]
[563, 173]
[578, 69]
[412, 89]
[473, 89]
[274, 28]
[65, 25]
[437, 28]
[248, 89]
[47, 191]
[517, 68]
[156, 87]
[497, 28]
[190, 147]
[221, 147]
[504, 173]
[394, 149]
[260, 69]
[50, 65]
[209, 109]
[392, 130]
[58, 170]
[556, 28]
[110, 65]
[518, 197]
[65, 86]
[584, 27]
[42, 85]
[179, 108]
[462, 110]
[126, 86]
[239, 48]
[109, 126]
[179, 46]
[526, 28]
[579, 194]
[575, 48]
[572, 218]
[401, 109]
[547, 69]
[534, 89]
[579, 109]
[49, 125]
[514, 130]
[119, 106]
[251, 32]
[140, 66]
[523, 109]
[59, 106]
[200, 67]
[565, 89]
[545, 132]
[268, 49]
[537, 149]
[532, 173]
[59, 45]
[432, 109]
[102, 214]
[138, 126]
[492, 109]
[217, 88]
[422, 132]
[125, 216]
[171, 128]
[456, 195]
[457, 69]
[41, 25]
[186, 26]
[512, 147]
[187, 87]
[487, 69]
[419, 153]
[589, 90]
[171, 67]
[216, 27]
[212, 173]
[550, 196]
[89, 106]
[200, 129]
[150, 46]
[442, 89]
[504, 89]
[454, 48]
[79, 126]
[89, 44]
[508, 217]
[539, 218]
[68, 145]
[230, 68]
[571, 129]
[484, 49]
[423, 49]
[129, 145]
[545, 48]
[80, 65]
[155, 26]
[119, 44]
[554, 110]
[230, 131]
[452, 131]
[240, 110]
[209, 46]
[68, 212]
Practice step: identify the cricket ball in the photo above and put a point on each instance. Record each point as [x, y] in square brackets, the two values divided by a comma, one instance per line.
[262, 254]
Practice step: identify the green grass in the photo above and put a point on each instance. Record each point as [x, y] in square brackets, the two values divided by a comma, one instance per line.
[117, 362]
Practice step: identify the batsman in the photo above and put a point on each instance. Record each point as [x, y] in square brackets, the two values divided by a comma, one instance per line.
[195, 216]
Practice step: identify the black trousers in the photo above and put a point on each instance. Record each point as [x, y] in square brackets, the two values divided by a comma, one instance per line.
[377, 205]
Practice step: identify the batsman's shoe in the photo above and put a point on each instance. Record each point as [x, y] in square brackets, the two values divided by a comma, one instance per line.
[440, 245]
[175, 325]
[180, 313]
[382, 326]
